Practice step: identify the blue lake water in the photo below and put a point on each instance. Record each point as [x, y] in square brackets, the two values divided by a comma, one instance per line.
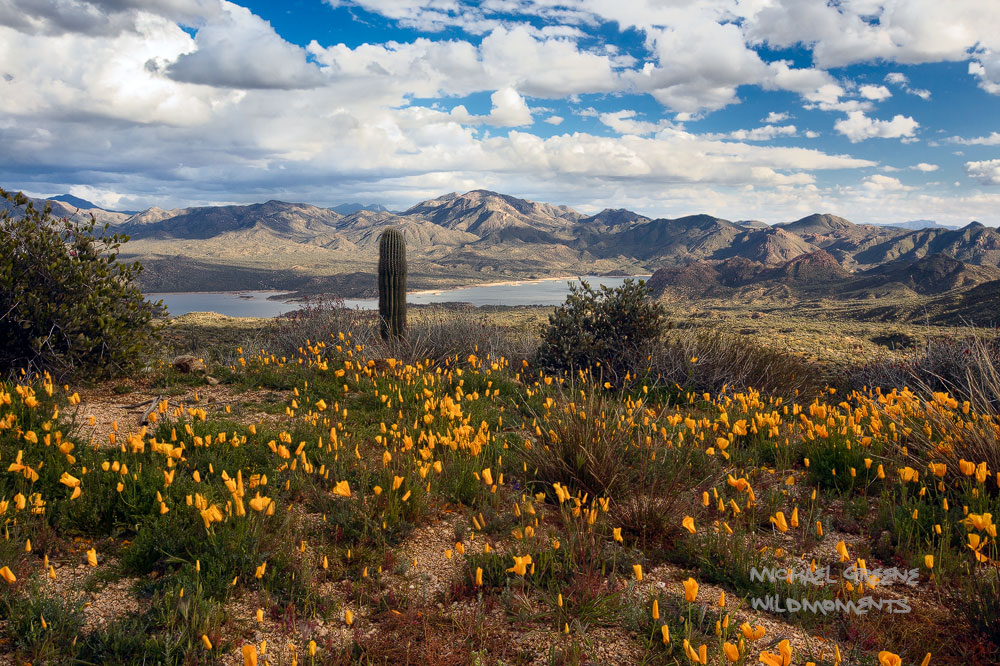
[257, 303]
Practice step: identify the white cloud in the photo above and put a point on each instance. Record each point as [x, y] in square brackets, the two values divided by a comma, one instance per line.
[986, 68]
[859, 127]
[853, 31]
[624, 122]
[925, 167]
[876, 93]
[899, 79]
[986, 172]
[81, 106]
[993, 139]
[238, 49]
[554, 120]
[106, 18]
[509, 109]
[765, 133]
[699, 65]
[879, 183]
[547, 67]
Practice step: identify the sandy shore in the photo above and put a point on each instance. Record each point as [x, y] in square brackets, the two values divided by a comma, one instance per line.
[515, 283]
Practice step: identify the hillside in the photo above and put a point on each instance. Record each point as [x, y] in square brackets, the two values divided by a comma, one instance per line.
[461, 238]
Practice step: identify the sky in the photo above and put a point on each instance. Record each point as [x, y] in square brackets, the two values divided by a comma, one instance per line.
[875, 110]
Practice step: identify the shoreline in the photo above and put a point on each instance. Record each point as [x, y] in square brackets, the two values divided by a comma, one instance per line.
[515, 282]
[501, 283]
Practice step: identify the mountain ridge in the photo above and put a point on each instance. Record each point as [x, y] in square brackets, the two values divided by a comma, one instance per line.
[485, 234]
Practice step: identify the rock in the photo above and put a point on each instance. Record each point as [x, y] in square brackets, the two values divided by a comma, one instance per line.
[209, 379]
[186, 363]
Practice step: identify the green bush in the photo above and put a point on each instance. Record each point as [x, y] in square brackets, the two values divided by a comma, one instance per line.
[66, 304]
[614, 327]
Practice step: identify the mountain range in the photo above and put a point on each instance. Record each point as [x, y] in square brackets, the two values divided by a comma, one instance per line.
[483, 235]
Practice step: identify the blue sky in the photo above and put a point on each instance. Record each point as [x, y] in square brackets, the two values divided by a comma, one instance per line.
[764, 109]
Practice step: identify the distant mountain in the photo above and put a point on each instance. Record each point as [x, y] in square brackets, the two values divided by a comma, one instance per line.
[818, 274]
[294, 221]
[918, 224]
[72, 211]
[348, 208]
[83, 204]
[817, 224]
[485, 234]
[483, 212]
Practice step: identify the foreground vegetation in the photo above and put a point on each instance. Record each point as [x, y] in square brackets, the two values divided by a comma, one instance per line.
[337, 499]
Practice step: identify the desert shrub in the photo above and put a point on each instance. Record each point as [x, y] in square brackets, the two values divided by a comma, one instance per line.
[711, 359]
[614, 327]
[66, 304]
[433, 333]
[966, 365]
[592, 444]
[42, 627]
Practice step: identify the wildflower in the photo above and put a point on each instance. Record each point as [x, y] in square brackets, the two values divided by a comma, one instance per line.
[348, 617]
[690, 590]
[92, 557]
[655, 611]
[8, 575]
[886, 658]
[69, 481]
[688, 524]
[732, 652]
[842, 550]
[520, 564]
[637, 568]
[206, 641]
[617, 533]
[783, 658]
[779, 521]
[249, 655]
[665, 633]
[929, 561]
[341, 489]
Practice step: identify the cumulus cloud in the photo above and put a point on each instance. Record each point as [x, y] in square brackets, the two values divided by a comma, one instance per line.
[765, 133]
[548, 67]
[986, 172]
[879, 183]
[118, 96]
[624, 122]
[509, 109]
[925, 167]
[993, 139]
[900, 79]
[859, 127]
[699, 66]
[844, 33]
[876, 93]
[986, 68]
[106, 18]
[238, 49]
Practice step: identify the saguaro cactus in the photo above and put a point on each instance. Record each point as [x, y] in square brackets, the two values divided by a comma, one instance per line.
[392, 283]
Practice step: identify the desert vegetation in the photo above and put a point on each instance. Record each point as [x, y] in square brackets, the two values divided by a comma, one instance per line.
[613, 488]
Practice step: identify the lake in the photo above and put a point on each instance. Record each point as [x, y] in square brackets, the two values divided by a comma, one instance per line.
[257, 303]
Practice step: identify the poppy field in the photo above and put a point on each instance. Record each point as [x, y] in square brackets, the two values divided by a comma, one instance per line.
[475, 509]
